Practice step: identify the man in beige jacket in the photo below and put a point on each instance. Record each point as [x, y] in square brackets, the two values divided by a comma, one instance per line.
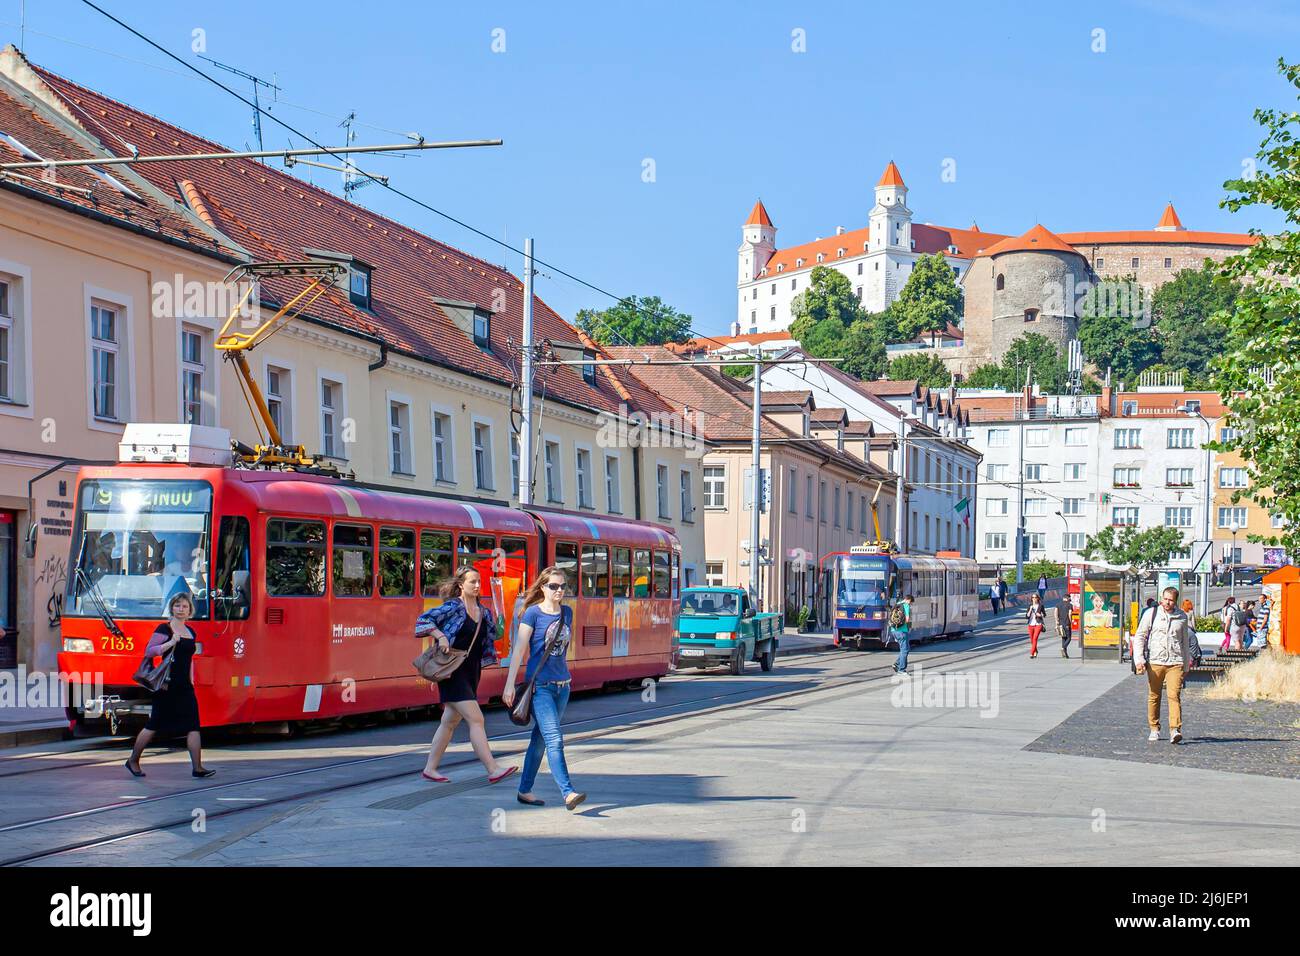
[1162, 649]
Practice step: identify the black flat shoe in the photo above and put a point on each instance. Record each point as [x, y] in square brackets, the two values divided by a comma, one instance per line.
[202, 773]
[134, 772]
[533, 802]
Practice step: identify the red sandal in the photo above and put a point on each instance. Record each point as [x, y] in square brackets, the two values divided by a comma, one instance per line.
[502, 775]
[436, 778]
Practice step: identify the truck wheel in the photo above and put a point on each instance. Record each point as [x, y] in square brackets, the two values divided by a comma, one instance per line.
[769, 656]
[738, 661]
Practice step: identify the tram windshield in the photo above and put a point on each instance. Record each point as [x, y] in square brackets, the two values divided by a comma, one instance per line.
[862, 581]
[701, 603]
[139, 543]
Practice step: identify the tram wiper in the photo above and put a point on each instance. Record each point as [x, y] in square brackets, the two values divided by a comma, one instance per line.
[100, 605]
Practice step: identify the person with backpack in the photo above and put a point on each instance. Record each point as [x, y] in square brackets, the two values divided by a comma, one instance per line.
[1243, 626]
[1063, 625]
[1164, 650]
[900, 623]
[1036, 616]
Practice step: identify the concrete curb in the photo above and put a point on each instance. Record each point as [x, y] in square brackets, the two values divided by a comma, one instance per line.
[25, 734]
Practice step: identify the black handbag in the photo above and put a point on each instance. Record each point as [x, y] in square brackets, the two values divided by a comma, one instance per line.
[154, 677]
[521, 713]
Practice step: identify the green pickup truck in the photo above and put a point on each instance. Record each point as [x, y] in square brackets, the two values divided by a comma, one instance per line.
[717, 625]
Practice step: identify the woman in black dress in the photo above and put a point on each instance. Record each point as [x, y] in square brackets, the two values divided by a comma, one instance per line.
[176, 709]
[470, 627]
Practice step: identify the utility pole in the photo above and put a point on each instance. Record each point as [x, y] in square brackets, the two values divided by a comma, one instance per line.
[900, 484]
[526, 396]
[1020, 497]
[755, 553]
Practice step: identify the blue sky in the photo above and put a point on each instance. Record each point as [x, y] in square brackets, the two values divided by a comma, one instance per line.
[1041, 127]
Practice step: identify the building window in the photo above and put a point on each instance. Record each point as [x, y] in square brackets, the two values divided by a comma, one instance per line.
[773, 289]
[1179, 438]
[104, 332]
[1169, 263]
[482, 327]
[443, 466]
[1033, 472]
[1128, 477]
[688, 506]
[1128, 438]
[772, 314]
[808, 495]
[792, 492]
[1231, 477]
[359, 286]
[1124, 517]
[399, 437]
[859, 293]
[1134, 262]
[1128, 407]
[1037, 541]
[1071, 506]
[848, 512]
[1031, 315]
[713, 574]
[483, 478]
[514, 464]
[821, 502]
[995, 541]
[999, 472]
[279, 397]
[331, 419]
[1192, 405]
[1076, 436]
[859, 268]
[715, 486]
[1278, 521]
[1073, 541]
[1001, 282]
[1101, 263]
[661, 490]
[613, 502]
[995, 506]
[1035, 507]
[1036, 437]
[1230, 516]
[6, 337]
[554, 491]
[1075, 471]
[1178, 517]
[1178, 477]
[582, 472]
[1229, 434]
[836, 510]
[999, 437]
[589, 370]
[193, 369]
[793, 282]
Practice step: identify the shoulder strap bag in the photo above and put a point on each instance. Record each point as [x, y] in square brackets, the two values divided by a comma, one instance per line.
[154, 677]
[435, 664]
[521, 713]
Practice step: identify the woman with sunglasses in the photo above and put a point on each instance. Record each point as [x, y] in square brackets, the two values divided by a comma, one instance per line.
[544, 620]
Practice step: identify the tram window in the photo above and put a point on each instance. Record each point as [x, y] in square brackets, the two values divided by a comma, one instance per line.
[676, 576]
[622, 572]
[474, 549]
[396, 562]
[295, 558]
[230, 585]
[595, 570]
[435, 561]
[517, 548]
[641, 573]
[354, 560]
[662, 588]
[566, 559]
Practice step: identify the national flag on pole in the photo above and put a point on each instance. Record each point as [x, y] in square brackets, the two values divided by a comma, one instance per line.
[963, 510]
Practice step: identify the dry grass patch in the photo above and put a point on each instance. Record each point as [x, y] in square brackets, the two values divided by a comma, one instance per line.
[1272, 675]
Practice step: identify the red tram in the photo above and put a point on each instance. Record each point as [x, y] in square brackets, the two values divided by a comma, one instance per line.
[307, 588]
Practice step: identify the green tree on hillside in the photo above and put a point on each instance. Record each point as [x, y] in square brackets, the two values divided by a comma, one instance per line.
[1258, 375]
[929, 301]
[1111, 335]
[1187, 324]
[828, 322]
[926, 367]
[828, 296]
[1033, 352]
[635, 321]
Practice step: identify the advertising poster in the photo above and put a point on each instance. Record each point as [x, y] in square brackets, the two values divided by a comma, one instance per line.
[1101, 612]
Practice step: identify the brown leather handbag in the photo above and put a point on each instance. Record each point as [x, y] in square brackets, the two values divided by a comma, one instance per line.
[435, 664]
[155, 677]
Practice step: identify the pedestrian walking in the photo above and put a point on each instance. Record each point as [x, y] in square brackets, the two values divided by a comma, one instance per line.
[1243, 626]
[1036, 617]
[175, 711]
[545, 621]
[900, 623]
[1263, 611]
[1063, 625]
[1042, 588]
[1228, 614]
[1162, 650]
[995, 594]
[461, 622]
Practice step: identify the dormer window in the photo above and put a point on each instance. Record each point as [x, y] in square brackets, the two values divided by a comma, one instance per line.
[798, 263]
[839, 253]
[359, 285]
[821, 257]
[780, 267]
[482, 327]
[589, 371]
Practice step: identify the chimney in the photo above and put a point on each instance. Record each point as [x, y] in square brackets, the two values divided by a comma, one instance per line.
[1106, 403]
[839, 230]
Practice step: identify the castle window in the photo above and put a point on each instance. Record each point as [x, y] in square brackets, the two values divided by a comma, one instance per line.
[859, 268]
[877, 266]
[821, 257]
[755, 292]
[753, 316]
[1134, 263]
[859, 293]
[1002, 282]
[1031, 315]
[793, 283]
[798, 263]
[839, 253]
[1101, 263]
[1169, 263]
[773, 313]
[773, 292]
[864, 247]
[763, 271]
[781, 267]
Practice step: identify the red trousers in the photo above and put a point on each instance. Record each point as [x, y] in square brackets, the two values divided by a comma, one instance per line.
[1035, 632]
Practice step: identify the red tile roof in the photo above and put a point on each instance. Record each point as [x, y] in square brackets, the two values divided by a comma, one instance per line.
[276, 216]
[927, 239]
[758, 216]
[1037, 239]
[1182, 237]
[891, 176]
[1169, 219]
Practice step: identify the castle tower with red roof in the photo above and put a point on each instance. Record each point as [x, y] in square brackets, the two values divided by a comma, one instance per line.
[758, 242]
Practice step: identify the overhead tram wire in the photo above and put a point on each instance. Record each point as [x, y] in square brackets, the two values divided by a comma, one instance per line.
[388, 186]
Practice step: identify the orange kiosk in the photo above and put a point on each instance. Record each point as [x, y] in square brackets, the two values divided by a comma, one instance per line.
[1283, 589]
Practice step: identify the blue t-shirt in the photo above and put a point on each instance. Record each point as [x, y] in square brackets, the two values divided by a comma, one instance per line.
[554, 667]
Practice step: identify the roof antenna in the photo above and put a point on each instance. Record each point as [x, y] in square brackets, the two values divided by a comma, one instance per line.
[257, 109]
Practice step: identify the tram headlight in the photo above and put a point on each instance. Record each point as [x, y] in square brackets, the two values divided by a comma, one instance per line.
[78, 645]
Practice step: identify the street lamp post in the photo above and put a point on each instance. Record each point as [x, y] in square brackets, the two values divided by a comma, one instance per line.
[1204, 596]
[1065, 551]
[1234, 527]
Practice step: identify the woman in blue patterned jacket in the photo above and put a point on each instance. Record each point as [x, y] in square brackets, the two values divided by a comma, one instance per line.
[461, 622]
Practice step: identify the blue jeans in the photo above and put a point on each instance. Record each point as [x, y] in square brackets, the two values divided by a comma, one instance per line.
[549, 701]
[903, 638]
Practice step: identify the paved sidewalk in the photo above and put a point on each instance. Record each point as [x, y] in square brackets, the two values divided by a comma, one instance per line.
[21, 724]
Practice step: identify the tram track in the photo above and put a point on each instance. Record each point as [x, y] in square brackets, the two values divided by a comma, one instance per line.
[703, 707]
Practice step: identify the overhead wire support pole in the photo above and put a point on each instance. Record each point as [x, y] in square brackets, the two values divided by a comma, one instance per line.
[526, 392]
[248, 154]
[755, 545]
